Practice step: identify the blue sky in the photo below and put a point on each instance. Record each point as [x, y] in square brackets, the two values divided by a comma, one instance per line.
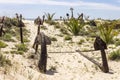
[106, 9]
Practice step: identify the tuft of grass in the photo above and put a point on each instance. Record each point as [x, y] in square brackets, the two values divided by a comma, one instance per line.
[26, 39]
[2, 44]
[63, 30]
[17, 52]
[49, 16]
[106, 32]
[60, 35]
[115, 55]
[53, 39]
[57, 25]
[51, 22]
[74, 26]
[7, 22]
[22, 47]
[117, 42]
[43, 27]
[4, 61]
[67, 38]
[8, 37]
[81, 41]
[53, 68]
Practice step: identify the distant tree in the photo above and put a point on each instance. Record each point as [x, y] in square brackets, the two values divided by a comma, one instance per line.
[71, 9]
[49, 16]
[74, 26]
[67, 16]
[60, 17]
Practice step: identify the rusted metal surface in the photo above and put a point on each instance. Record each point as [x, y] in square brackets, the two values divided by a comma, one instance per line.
[105, 67]
[20, 25]
[38, 41]
[91, 59]
[43, 57]
[2, 32]
[98, 42]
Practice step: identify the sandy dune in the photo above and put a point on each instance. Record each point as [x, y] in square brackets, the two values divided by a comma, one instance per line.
[65, 65]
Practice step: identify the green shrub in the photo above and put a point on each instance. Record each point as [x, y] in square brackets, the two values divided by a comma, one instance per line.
[14, 22]
[106, 32]
[53, 39]
[92, 23]
[81, 41]
[57, 25]
[49, 16]
[52, 68]
[25, 31]
[17, 52]
[4, 61]
[67, 38]
[63, 30]
[74, 27]
[60, 35]
[2, 44]
[22, 47]
[115, 55]
[51, 22]
[117, 43]
[7, 37]
[26, 39]
[43, 27]
[7, 22]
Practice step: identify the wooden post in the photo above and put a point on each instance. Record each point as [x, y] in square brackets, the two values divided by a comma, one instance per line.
[105, 67]
[43, 57]
[99, 44]
[38, 31]
[1, 30]
[21, 31]
[43, 19]
[20, 25]
[1, 27]
[36, 48]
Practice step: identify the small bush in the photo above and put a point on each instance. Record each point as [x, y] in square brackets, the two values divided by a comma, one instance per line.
[53, 39]
[49, 16]
[22, 47]
[60, 35]
[63, 30]
[2, 44]
[14, 22]
[53, 68]
[4, 61]
[74, 27]
[26, 39]
[43, 27]
[115, 55]
[67, 38]
[25, 31]
[7, 22]
[57, 25]
[51, 22]
[81, 41]
[106, 32]
[17, 52]
[7, 37]
[117, 42]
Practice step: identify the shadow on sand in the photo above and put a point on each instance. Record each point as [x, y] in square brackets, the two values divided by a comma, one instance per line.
[51, 72]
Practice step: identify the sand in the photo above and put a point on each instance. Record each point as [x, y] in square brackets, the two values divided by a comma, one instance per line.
[64, 63]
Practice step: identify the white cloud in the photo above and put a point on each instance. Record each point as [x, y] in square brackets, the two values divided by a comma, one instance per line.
[91, 5]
